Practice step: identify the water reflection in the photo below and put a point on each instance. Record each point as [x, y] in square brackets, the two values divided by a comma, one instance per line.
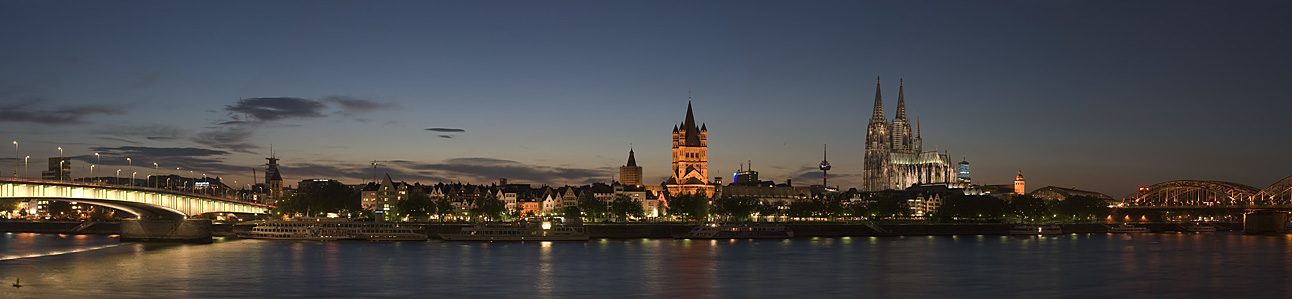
[1145, 265]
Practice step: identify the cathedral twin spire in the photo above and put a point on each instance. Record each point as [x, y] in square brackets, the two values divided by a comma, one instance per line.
[896, 135]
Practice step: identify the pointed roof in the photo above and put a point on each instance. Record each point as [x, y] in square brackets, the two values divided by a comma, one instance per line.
[901, 101]
[632, 161]
[917, 125]
[688, 126]
[879, 104]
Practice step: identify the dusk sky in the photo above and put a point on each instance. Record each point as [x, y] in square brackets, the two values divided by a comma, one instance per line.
[1099, 95]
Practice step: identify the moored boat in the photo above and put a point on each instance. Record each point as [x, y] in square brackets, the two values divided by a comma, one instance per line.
[737, 231]
[1200, 228]
[332, 229]
[1127, 229]
[519, 231]
[1035, 230]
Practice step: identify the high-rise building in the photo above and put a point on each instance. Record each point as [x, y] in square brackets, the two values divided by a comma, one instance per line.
[1020, 187]
[60, 169]
[962, 172]
[630, 174]
[894, 157]
[690, 158]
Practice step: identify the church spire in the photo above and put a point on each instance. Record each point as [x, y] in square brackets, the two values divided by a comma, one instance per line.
[879, 104]
[632, 161]
[901, 101]
[688, 127]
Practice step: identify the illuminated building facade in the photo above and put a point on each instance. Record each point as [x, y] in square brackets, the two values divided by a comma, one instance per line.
[1020, 186]
[690, 158]
[962, 172]
[894, 158]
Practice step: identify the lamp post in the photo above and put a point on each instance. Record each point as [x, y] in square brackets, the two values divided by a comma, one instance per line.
[155, 172]
[96, 158]
[132, 178]
[131, 164]
[92, 173]
[15, 162]
[60, 169]
[117, 178]
[25, 169]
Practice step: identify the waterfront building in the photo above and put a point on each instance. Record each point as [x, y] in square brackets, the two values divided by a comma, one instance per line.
[894, 157]
[690, 172]
[630, 174]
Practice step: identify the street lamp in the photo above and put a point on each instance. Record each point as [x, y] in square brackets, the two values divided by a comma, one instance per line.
[155, 172]
[96, 158]
[92, 173]
[15, 162]
[25, 169]
[132, 178]
[60, 169]
[117, 178]
[60, 152]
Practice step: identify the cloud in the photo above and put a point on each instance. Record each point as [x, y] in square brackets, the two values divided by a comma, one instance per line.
[446, 130]
[446, 136]
[30, 110]
[489, 169]
[191, 161]
[231, 138]
[156, 132]
[349, 106]
[274, 109]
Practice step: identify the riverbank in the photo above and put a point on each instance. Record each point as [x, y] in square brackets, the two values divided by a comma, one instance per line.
[665, 230]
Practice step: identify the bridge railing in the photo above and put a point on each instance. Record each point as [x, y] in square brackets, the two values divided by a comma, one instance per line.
[226, 198]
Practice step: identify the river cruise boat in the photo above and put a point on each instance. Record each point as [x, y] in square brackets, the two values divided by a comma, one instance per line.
[737, 231]
[1127, 229]
[332, 229]
[519, 231]
[1200, 228]
[1036, 230]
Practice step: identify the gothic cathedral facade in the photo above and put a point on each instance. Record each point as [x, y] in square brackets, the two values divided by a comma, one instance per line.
[894, 158]
[690, 158]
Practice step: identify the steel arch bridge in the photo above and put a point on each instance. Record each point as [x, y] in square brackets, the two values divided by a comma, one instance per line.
[1280, 193]
[142, 202]
[1194, 194]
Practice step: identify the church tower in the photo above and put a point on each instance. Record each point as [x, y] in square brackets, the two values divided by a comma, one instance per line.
[878, 145]
[273, 179]
[1020, 187]
[900, 130]
[690, 157]
[630, 174]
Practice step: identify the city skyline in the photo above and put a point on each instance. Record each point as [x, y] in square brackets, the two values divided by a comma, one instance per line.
[1099, 96]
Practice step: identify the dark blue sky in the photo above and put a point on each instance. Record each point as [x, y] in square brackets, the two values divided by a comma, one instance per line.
[1100, 95]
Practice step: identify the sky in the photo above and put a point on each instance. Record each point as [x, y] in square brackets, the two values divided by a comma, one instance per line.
[1105, 96]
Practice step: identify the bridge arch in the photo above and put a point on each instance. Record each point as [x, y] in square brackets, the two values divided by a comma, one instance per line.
[142, 202]
[1192, 193]
[1279, 193]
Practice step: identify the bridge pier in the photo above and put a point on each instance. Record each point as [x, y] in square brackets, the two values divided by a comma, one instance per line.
[1265, 222]
[166, 230]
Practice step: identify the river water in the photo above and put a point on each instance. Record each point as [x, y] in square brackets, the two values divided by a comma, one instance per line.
[1067, 266]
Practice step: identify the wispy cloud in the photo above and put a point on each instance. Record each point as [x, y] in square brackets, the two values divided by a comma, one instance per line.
[349, 106]
[446, 130]
[34, 110]
[274, 109]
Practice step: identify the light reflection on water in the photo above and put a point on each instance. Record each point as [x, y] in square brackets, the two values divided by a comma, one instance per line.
[1140, 265]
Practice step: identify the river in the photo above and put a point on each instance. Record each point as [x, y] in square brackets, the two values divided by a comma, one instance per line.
[1067, 266]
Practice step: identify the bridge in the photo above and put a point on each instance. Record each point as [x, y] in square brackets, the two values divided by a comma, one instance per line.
[161, 215]
[1265, 210]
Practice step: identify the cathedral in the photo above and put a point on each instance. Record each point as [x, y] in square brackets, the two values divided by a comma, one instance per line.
[690, 158]
[894, 155]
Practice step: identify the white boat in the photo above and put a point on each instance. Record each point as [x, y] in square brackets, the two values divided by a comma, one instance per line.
[1036, 230]
[737, 231]
[1200, 228]
[519, 231]
[1127, 229]
[332, 229]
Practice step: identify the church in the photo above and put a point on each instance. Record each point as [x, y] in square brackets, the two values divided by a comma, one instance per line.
[690, 158]
[894, 157]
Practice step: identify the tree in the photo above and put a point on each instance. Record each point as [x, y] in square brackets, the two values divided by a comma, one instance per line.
[883, 206]
[689, 206]
[735, 208]
[767, 209]
[10, 204]
[624, 206]
[592, 207]
[1081, 207]
[1028, 208]
[572, 212]
[418, 205]
[970, 207]
[320, 198]
[488, 206]
[444, 208]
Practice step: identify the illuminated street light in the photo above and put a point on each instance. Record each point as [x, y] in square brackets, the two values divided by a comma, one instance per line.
[132, 178]
[92, 173]
[117, 178]
[25, 169]
[15, 162]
